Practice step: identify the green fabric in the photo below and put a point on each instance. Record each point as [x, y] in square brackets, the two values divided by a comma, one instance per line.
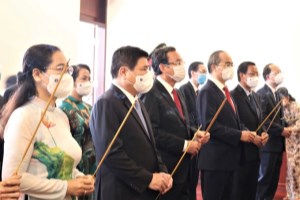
[59, 164]
[78, 113]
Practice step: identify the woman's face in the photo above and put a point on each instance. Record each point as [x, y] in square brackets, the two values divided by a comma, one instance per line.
[83, 76]
[48, 80]
[57, 64]
[285, 101]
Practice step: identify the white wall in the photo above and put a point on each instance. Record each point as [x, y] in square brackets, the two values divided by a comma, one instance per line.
[262, 31]
[28, 22]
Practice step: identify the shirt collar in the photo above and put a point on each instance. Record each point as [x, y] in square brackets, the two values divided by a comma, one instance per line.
[273, 90]
[218, 83]
[168, 87]
[246, 91]
[127, 94]
[194, 86]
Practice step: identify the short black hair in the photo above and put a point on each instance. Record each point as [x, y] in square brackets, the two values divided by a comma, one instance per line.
[267, 70]
[159, 46]
[159, 56]
[77, 68]
[194, 66]
[214, 58]
[126, 56]
[243, 68]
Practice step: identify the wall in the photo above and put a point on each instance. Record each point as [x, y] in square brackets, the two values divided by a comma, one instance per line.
[28, 22]
[260, 31]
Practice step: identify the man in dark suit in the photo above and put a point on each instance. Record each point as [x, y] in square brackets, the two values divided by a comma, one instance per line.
[219, 158]
[197, 75]
[169, 118]
[250, 114]
[271, 153]
[133, 168]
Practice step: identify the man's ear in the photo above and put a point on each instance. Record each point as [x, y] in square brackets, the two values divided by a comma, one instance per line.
[193, 73]
[122, 71]
[162, 67]
[213, 67]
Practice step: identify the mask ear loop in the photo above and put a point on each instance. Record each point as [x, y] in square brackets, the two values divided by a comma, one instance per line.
[42, 116]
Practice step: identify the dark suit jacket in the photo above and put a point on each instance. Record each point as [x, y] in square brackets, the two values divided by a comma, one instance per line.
[276, 140]
[189, 95]
[170, 130]
[250, 118]
[223, 150]
[128, 167]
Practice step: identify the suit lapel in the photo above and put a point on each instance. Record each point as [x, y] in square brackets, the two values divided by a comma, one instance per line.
[128, 104]
[191, 90]
[246, 99]
[136, 116]
[185, 112]
[256, 100]
[270, 94]
[222, 96]
[167, 97]
[148, 122]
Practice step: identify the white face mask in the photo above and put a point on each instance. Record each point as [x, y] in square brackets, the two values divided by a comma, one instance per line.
[143, 83]
[278, 79]
[252, 82]
[227, 73]
[65, 86]
[179, 73]
[84, 88]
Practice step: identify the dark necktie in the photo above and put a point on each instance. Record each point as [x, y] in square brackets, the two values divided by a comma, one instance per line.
[177, 103]
[197, 92]
[227, 94]
[140, 113]
[252, 103]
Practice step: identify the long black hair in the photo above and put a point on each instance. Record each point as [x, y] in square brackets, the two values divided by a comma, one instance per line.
[39, 57]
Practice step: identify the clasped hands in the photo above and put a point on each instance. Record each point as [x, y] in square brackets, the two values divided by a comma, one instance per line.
[200, 138]
[251, 136]
[161, 182]
[287, 131]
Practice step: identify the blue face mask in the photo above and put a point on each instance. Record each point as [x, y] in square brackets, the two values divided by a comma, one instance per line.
[201, 79]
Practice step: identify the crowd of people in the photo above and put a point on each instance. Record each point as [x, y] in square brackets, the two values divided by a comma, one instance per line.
[168, 138]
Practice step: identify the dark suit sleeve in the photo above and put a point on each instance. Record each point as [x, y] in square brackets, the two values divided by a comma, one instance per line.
[105, 120]
[166, 141]
[207, 106]
[276, 128]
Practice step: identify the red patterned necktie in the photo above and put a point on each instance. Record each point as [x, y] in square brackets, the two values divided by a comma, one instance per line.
[177, 103]
[228, 97]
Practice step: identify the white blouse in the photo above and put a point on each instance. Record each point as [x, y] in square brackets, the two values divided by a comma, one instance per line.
[52, 157]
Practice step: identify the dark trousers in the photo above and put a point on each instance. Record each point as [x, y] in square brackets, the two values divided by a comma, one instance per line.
[193, 178]
[178, 192]
[217, 185]
[269, 172]
[245, 181]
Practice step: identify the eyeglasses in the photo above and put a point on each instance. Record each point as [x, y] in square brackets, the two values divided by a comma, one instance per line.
[176, 63]
[252, 74]
[59, 68]
[227, 64]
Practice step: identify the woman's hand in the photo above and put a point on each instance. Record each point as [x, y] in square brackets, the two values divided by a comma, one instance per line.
[10, 188]
[81, 186]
